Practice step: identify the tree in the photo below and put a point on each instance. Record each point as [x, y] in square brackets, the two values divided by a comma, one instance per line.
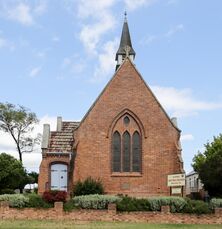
[12, 174]
[33, 177]
[18, 121]
[209, 166]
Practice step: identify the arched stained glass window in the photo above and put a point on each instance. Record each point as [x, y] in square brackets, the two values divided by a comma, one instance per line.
[116, 152]
[126, 151]
[136, 152]
[126, 146]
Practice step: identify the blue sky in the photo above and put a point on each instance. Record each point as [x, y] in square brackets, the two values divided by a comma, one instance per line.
[57, 56]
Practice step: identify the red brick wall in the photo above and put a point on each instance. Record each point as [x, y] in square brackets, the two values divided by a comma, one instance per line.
[44, 171]
[103, 215]
[159, 138]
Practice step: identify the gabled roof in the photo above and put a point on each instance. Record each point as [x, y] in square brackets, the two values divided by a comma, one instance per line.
[128, 59]
[62, 141]
[191, 173]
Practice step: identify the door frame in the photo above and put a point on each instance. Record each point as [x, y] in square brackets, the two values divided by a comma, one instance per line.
[59, 162]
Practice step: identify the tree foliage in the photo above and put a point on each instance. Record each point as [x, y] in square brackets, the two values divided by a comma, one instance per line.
[12, 173]
[209, 166]
[33, 177]
[19, 122]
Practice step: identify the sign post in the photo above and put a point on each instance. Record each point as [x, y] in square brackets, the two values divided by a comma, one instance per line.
[176, 183]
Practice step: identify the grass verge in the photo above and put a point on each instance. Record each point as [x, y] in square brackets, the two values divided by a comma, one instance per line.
[54, 224]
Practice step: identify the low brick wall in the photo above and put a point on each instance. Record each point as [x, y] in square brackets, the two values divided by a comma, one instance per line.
[109, 215]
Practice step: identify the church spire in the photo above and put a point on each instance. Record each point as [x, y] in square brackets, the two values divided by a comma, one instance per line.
[125, 47]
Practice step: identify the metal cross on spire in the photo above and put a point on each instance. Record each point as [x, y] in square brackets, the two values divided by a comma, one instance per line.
[125, 16]
[127, 49]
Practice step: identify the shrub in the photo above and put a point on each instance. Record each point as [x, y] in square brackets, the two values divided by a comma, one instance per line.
[87, 187]
[133, 204]
[15, 200]
[196, 207]
[216, 203]
[69, 205]
[53, 196]
[151, 204]
[36, 201]
[176, 203]
[94, 201]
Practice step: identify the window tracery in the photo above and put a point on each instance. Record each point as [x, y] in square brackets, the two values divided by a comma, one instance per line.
[126, 146]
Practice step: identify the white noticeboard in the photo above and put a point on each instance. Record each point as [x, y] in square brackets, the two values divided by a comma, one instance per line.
[176, 180]
[176, 190]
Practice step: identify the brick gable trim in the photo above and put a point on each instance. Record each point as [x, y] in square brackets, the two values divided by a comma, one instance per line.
[121, 114]
[147, 86]
[127, 59]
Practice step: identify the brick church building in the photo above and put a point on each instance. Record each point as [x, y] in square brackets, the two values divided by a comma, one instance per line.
[126, 138]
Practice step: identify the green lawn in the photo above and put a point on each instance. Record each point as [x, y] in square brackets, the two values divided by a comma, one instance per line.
[40, 224]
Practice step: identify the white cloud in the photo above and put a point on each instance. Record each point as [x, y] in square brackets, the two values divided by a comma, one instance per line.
[78, 67]
[31, 161]
[45, 120]
[101, 21]
[56, 39]
[6, 142]
[182, 102]
[97, 19]
[186, 137]
[172, 31]
[4, 43]
[66, 62]
[40, 8]
[106, 61]
[91, 34]
[35, 71]
[94, 8]
[135, 4]
[148, 39]
[23, 12]
[40, 54]
[175, 29]
[75, 64]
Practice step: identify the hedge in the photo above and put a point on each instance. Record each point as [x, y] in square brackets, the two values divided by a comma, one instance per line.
[196, 207]
[21, 201]
[216, 203]
[176, 203]
[133, 204]
[15, 200]
[95, 201]
[36, 201]
[150, 204]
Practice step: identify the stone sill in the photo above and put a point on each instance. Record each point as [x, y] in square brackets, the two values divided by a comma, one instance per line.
[124, 174]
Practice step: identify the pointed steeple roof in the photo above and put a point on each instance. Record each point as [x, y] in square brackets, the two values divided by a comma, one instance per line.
[125, 41]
